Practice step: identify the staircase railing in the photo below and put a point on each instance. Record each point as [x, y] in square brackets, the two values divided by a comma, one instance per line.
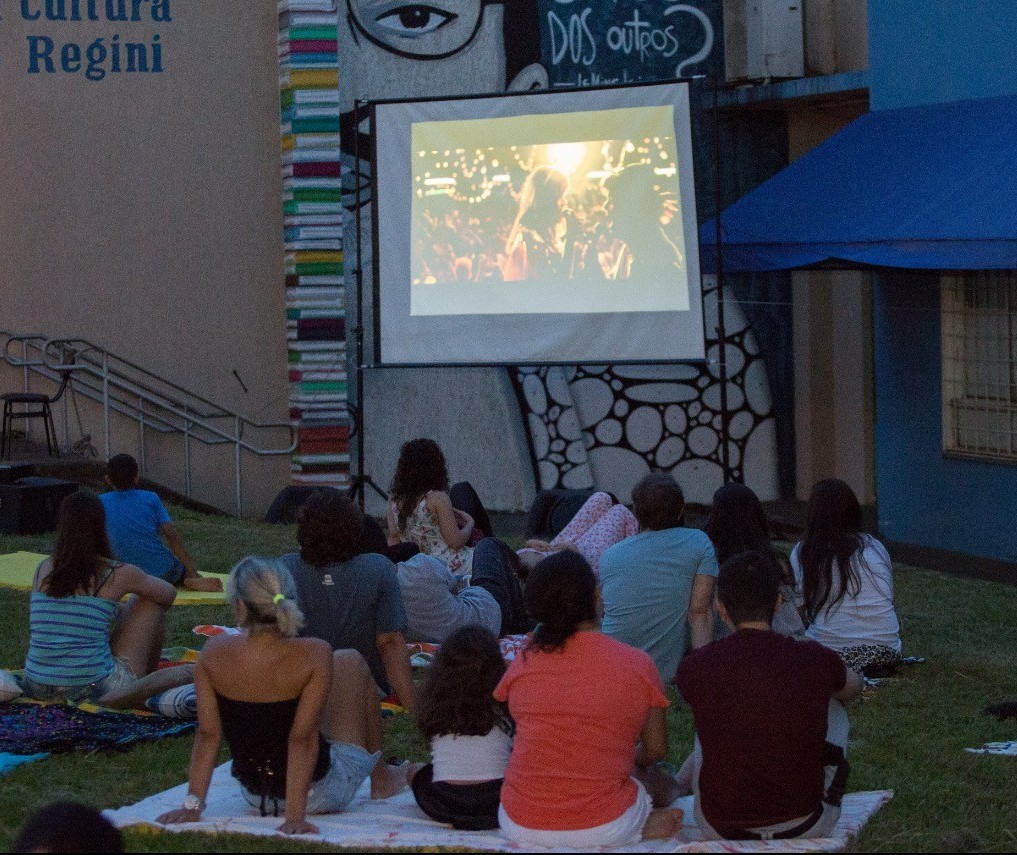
[156, 404]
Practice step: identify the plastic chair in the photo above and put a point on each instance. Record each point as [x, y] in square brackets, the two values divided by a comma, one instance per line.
[37, 406]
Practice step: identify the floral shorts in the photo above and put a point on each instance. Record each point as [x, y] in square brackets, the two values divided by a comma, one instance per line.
[871, 660]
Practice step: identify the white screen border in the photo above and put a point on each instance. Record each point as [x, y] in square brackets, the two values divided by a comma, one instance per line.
[402, 339]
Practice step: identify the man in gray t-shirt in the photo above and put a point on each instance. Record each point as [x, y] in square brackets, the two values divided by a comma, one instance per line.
[348, 599]
[350, 604]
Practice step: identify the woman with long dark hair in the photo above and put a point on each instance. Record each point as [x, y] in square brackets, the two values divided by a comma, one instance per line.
[737, 525]
[84, 645]
[469, 731]
[590, 727]
[420, 508]
[844, 580]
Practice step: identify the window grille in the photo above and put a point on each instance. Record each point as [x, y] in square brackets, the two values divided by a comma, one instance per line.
[979, 314]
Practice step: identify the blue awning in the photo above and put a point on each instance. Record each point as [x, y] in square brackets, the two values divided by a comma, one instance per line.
[931, 187]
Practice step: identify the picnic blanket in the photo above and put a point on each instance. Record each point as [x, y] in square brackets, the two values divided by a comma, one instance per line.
[18, 569]
[30, 727]
[399, 822]
[12, 761]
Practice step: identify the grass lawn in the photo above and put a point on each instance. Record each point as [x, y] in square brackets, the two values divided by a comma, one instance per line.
[907, 736]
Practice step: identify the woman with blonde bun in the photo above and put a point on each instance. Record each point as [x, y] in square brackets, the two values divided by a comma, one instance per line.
[301, 721]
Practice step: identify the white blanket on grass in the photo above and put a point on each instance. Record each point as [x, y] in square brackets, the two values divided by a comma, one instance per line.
[399, 822]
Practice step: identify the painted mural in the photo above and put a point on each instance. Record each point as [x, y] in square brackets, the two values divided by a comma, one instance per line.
[588, 425]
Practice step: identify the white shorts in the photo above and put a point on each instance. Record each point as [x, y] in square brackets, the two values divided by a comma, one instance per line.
[624, 831]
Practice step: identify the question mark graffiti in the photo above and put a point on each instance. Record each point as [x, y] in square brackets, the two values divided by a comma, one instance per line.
[708, 33]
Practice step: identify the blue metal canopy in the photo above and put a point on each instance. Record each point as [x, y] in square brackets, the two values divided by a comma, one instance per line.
[931, 187]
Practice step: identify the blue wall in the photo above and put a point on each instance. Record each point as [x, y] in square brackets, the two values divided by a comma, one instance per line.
[924, 497]
[932, 51]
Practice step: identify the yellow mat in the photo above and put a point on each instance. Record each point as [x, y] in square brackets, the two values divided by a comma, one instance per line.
[18, 569]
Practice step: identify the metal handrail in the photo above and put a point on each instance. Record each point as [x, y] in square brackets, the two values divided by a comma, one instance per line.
[105, 378]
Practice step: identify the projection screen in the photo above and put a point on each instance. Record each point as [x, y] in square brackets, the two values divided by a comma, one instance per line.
[551, 227]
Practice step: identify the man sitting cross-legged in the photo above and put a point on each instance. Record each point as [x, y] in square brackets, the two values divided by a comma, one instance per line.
[348, 598]
[658, 584]
[771, 729]
[141, 531]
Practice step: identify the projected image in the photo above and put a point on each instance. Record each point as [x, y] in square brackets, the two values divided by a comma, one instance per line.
[561, 226]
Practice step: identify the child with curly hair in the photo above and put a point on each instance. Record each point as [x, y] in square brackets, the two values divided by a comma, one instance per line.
[470, 733]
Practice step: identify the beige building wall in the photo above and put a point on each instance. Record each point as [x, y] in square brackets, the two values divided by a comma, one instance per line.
[834, 394]
[836, 36]
[142, 211]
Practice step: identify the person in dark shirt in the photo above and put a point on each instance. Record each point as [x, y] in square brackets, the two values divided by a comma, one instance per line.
[771, 729]
[350, 599]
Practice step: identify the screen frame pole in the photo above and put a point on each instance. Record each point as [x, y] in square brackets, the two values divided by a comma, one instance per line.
[725, 415]
[360, 480]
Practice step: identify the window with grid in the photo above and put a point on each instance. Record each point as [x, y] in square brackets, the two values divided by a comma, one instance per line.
[980, 364]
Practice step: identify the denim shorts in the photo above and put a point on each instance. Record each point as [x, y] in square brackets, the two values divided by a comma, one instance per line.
[121, 677]
[349, 766]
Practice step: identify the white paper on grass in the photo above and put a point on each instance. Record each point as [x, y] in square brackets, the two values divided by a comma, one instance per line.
[654, 316]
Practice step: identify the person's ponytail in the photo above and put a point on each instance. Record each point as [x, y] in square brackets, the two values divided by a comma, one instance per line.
[561, 594]
[268, 594]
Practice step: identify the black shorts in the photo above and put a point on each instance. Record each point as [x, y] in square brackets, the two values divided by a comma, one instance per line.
[467, 807]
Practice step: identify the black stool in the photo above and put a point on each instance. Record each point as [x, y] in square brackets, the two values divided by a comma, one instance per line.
[37, 406]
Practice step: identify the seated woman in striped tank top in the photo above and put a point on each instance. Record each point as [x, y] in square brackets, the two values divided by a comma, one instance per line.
[85, 645]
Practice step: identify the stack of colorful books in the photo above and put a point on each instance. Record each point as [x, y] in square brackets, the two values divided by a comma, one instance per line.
[313, 216]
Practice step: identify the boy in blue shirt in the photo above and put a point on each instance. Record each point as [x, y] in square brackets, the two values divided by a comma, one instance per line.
[141, 532]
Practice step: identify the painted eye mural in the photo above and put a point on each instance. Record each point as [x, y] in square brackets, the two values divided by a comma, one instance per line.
[414, 21]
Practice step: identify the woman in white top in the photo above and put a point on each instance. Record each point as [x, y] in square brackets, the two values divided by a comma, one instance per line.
[844, 582]
[470, 733]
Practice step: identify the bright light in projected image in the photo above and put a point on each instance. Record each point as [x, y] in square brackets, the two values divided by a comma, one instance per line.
[566, 157]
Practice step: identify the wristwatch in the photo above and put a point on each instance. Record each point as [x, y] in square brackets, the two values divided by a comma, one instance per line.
[192, 802]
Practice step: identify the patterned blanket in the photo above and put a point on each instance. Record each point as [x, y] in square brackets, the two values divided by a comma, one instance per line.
[33, 728]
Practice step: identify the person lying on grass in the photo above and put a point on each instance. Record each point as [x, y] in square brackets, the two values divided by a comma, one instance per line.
[301, 721]
[85, 644]
[142, 532]
[598, 525]
[590, 725]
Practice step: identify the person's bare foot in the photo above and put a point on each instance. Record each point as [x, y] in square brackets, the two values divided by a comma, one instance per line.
[411, 771]
[387, 780]
[662, 824]
[201, 583]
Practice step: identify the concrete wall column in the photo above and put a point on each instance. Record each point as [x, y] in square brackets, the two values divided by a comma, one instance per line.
[834, 408]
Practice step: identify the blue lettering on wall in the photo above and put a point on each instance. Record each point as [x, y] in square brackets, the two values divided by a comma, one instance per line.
[104, 54]
[40, 50]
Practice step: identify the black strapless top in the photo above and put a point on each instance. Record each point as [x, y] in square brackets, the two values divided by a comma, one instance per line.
[258, 735]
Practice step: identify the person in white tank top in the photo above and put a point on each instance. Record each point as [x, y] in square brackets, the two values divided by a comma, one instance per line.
[470, 733]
